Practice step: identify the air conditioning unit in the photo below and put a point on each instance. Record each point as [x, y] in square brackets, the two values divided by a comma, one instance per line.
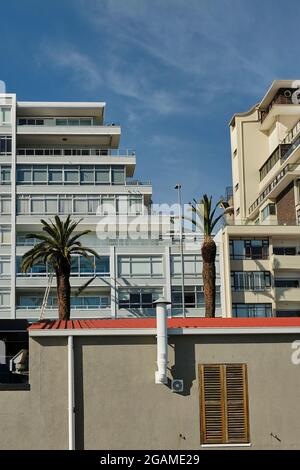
[177, 385]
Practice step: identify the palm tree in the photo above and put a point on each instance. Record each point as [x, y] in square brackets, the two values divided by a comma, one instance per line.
[208, 220]
[57, 245]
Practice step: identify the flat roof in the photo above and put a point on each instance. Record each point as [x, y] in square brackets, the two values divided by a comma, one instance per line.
[147, 326]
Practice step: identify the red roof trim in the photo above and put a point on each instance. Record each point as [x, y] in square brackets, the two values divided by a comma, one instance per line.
[144, 323]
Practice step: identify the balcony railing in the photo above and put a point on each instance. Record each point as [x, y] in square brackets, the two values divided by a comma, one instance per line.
[64, 152]
[138, 183]
[279, 98]
[63, 121]
[272, 185]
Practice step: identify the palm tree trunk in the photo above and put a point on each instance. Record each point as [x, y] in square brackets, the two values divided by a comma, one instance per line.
[208, 251]
[63, 295]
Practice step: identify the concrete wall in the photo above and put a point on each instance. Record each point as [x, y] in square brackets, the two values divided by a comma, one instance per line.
[38, 418]
[118, 405]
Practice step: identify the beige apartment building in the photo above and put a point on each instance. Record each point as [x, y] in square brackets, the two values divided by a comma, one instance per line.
[262, 239]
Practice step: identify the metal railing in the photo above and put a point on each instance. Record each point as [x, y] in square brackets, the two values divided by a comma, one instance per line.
[70, 152]
[272, 185]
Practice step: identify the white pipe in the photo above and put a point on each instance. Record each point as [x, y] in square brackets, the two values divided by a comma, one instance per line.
[71, 393]
[162, 341]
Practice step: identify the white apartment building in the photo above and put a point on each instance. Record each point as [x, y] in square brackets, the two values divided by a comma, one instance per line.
[62, 158]
[262, 240]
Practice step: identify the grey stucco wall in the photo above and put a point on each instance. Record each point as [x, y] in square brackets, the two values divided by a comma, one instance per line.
[38, 418]
[122, 407]
[118, 405]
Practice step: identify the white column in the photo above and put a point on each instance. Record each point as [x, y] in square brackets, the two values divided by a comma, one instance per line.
[71, 394]
[113, 282]
[168, 288]
[13, 207]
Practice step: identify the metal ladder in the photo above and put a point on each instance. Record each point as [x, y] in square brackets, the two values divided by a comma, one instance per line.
[46, 296]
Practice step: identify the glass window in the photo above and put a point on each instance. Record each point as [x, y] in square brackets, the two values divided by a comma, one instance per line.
[80, 206]
[5, 205]
[5, 267]
[22, 206]
[5, 144]
[4, 299]
[250, 280]
[65, 206]
[135, 205]
[5, 235]
[50, 205]
[102, 176]
[71, 176]
[5, 116]
[24, 175]
[285, 250]
[61, 122]
[249, 249]
[39, 174]
[55, 175]
[37, 206]
[102, 265]
[87, 175]
[288, 283]
[252, 310]
[5, 175]
[93, 205]
[118, 175]
[108, 205]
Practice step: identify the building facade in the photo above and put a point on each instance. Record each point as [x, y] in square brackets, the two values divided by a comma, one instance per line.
[262, 240]
[62, 158]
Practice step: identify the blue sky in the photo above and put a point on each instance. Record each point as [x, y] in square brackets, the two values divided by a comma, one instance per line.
[172, 72]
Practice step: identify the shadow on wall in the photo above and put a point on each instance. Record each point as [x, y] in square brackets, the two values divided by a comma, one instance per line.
[184, 364]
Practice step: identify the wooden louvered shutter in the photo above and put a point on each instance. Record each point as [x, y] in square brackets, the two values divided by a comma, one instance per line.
[236, 403]
[223, 403]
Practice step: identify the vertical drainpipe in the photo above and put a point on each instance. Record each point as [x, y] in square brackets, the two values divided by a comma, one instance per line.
[162, 340]
[71, 393]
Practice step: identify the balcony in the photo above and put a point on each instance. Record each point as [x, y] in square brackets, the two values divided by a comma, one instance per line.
[286, 262]
[279, 182]
[74, 131]
[95, 156]
[281, 104]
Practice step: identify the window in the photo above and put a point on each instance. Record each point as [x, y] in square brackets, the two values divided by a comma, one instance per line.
[102, 175]
[80, 267]
[193, 297]
[249, 249]
[138, 298]
[5, 267]
[4, 299]
[5, 235]
[251, 310]
[192, 265]
[5, 145]
[5, 115]
[118, 175]
[140, 266]
[270, 209]
[287, 283]
[5, 174]
[5, 204]
[285, 250]
[250, 280]
[224, 409]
